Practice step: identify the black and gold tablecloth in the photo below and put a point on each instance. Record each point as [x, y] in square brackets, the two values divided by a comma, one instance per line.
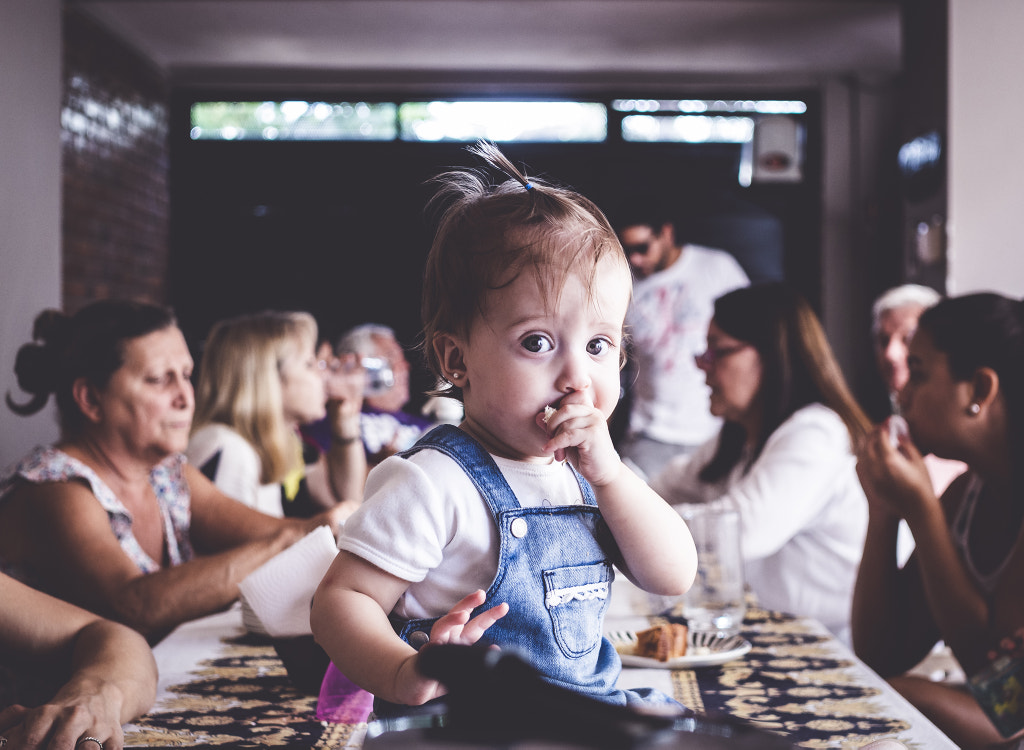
[791, 683]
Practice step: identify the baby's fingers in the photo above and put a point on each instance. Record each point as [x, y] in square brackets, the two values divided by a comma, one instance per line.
[448, 629]
[478, 625]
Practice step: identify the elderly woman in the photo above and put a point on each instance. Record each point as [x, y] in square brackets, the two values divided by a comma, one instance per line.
[259, 381]
[784, 454]
[89, 675]
[963, 401]
[112, 517]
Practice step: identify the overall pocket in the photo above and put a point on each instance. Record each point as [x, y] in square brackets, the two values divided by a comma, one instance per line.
[576, 598]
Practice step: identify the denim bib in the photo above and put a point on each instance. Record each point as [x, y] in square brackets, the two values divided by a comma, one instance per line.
[553, 571]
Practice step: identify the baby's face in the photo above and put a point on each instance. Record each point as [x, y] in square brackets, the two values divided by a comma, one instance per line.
[527, 353]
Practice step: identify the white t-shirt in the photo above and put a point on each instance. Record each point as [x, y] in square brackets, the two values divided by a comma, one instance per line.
[238, 469]
[803, 515]
[668, 325]
[424, 521]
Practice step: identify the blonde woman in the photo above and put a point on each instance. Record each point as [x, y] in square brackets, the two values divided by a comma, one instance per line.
[259, 380]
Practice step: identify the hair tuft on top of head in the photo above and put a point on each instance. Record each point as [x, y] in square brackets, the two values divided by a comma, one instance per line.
[491, 154]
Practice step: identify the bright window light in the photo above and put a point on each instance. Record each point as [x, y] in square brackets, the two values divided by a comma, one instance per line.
[696, 106]
[687, 129]
[293, 121]
[504, 121]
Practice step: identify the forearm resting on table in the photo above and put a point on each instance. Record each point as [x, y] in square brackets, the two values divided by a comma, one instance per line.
[158, 602]
[112, 660]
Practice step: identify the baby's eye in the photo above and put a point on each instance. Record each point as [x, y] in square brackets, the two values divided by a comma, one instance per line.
[599, 346]
[537, 343]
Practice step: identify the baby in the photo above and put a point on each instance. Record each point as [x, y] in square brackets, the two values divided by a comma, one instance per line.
[504, 530]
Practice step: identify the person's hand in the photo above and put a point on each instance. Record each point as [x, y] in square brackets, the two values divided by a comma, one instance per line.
[894, 477]
[456, 627]
[579, 433]
[344, 381]
[59, 724]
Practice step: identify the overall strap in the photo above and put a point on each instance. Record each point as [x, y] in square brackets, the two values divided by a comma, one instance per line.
[475, 461]
[472, 457]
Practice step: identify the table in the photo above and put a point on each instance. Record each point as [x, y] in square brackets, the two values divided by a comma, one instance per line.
[223, 688]
[798, 680]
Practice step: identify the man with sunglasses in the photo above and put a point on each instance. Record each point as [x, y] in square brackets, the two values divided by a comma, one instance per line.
[675, 286]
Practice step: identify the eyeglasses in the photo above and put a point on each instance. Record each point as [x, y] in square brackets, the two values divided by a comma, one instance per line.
[713, 354]
[639, 248]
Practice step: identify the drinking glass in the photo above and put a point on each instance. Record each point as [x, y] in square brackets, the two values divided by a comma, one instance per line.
[716, 600]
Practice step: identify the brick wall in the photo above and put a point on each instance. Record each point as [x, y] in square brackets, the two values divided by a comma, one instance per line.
[114, 139]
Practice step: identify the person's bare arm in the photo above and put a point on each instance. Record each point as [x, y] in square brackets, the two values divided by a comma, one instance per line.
[113, 673]
[658, 553]
[339, 476]
[899, 615]
[350, 620]
[79, 558]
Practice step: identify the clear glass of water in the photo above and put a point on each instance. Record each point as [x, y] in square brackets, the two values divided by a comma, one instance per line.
[716, 600]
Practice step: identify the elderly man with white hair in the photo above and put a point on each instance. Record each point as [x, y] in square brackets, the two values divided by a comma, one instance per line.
[894, 318]
[893, 321]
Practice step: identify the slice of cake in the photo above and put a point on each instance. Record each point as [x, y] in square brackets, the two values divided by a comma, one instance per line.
[662, 642]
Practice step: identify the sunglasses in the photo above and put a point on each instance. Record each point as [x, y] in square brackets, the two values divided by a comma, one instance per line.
[640, 248]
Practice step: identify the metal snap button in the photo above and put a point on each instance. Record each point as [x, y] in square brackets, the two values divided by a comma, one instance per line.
[418, 639]
[519, 527]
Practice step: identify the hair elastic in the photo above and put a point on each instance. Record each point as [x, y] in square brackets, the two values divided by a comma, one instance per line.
[528, 185]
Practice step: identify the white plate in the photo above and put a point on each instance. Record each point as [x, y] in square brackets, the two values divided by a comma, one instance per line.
[702, 650]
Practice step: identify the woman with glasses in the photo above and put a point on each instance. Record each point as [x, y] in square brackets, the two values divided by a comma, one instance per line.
[784, 453]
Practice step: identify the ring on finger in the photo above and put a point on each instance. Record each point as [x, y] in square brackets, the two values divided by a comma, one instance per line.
[82, 740]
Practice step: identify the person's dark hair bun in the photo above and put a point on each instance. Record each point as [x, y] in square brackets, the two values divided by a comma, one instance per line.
[53, 328]
[37, 364]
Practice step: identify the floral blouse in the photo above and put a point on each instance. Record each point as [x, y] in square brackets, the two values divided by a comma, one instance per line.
[48, 464]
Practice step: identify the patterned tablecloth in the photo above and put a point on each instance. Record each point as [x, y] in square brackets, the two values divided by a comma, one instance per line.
[221, 688]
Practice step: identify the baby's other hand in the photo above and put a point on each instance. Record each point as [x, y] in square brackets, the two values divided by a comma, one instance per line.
[455, 627]
[579, 433]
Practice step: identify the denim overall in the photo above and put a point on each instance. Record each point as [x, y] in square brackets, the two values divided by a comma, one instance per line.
[554, 573]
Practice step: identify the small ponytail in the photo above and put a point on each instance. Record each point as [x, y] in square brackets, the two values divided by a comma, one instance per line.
[491, 154]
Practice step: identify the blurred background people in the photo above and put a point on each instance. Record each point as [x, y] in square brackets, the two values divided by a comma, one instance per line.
[259, 381]
[66, 673]
[385, 426]
[675, 287]
[893, 322]
[784, 454]
[894, 317]
[962, 401]
[112, 517]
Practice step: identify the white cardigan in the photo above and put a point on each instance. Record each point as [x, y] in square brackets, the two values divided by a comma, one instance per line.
[803, 514]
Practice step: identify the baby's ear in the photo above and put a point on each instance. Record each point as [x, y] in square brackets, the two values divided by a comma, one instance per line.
[449, 350]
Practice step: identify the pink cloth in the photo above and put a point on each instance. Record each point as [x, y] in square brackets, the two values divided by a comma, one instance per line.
[341, 701]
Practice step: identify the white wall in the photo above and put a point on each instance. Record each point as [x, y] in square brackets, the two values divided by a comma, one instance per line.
[986, 147]
[30, 197]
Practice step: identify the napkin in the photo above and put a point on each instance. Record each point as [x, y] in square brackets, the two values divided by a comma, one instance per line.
[276, 597]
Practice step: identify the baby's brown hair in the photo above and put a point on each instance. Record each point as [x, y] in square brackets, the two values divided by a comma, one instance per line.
[488, 234]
